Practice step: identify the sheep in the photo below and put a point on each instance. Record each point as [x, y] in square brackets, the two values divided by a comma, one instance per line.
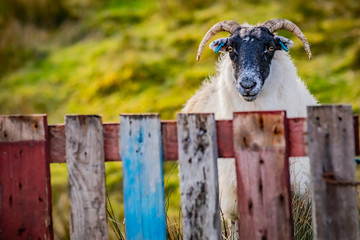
[254, 73]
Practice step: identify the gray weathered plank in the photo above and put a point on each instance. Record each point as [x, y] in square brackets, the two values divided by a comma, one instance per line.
[331, 150]
[262, 167]
[198, 176]
[86, 176]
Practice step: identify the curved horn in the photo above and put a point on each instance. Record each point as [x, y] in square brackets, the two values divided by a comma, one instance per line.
[228, 26]
[284, 24]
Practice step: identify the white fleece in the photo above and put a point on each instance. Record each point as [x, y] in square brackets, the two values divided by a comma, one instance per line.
[282, 90]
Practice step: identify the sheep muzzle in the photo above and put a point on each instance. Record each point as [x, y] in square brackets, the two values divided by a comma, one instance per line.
[249, 85]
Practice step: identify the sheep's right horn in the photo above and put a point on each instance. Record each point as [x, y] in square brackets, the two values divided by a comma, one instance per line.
[228, 26]
[279, 24]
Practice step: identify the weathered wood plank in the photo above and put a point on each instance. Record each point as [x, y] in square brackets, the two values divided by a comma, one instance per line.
[169, 140]
[57, 143]
[111, 142]
[224, 131]
[144, 199]
[198, 176]
[297, 140]
[262, 167]
[331, 150]
[297, 137]
[22, 128]
[25, 189]
[86, 176]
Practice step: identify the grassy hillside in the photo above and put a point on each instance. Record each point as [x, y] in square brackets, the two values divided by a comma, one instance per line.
[110, 57]
[140, 56]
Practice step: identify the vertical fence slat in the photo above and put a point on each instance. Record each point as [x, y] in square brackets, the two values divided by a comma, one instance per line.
[86, 176]
[331, 150]
[198, 176]
[262, 175]
[24, 178]
[144, 200]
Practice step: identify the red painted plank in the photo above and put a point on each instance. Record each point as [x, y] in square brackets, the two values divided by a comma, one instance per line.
[296, 130]
[169, 140]
[224, 133]
[57, 143]
[356, 133]
[297, 137]
[111, 142]
[25, 178]
[262, 169]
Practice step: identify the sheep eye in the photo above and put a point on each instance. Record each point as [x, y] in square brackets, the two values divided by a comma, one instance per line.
[230, 49]
[271, 48]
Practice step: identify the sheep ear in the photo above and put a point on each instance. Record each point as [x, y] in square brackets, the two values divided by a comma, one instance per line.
[219, 45]
[282, 43]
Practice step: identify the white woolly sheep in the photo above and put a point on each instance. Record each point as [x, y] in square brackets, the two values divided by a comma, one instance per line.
[254, 73]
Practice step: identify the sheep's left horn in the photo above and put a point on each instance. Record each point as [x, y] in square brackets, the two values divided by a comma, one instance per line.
[228, 26]
[284, 24]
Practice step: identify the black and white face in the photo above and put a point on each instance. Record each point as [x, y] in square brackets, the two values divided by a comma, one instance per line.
[251, 50]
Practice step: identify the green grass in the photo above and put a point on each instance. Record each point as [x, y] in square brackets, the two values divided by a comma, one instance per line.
[133, 57]
[114, 189]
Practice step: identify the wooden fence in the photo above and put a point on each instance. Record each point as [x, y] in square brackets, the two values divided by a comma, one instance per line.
[261, 143]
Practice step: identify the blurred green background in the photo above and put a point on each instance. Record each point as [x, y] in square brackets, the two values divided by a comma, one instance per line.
[109, 57]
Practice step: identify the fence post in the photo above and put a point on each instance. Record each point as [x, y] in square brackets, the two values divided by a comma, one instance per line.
[25, 191]
[262, 167]
[86, 176]
[331, 150]
[144, 201]
[198, 176]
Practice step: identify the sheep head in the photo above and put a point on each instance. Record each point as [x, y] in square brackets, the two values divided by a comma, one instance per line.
[251, 50]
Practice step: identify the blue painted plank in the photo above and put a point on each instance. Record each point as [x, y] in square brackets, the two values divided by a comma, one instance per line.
[144, 200]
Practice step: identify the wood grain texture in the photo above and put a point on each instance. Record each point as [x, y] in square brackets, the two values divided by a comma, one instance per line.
[144, 199]
[297, 137]
[297, 140]
[198, 176]
[25, 189]
[111, 142]
[331, 150]
[22, 128]
[86, 176]
[262, 169]
[57, 143]
[169, 140]
[224, 131]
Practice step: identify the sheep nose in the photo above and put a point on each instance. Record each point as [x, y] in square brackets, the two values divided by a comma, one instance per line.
[247, 86]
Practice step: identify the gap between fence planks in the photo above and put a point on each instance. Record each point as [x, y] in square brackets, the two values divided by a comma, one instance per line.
[297, 139]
